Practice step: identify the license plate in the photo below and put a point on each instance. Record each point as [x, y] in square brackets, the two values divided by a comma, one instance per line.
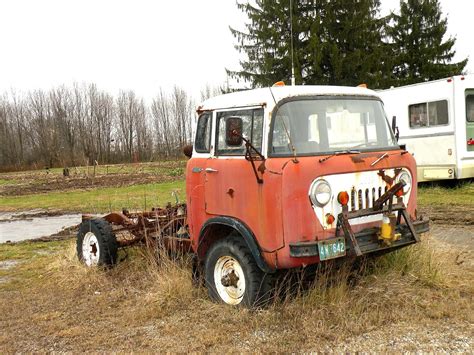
[332, 248]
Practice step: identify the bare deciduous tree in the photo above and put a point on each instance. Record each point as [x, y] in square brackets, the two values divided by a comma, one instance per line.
[68, 126]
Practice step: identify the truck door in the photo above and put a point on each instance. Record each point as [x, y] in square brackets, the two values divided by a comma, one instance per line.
[195, 174]
[231, 186]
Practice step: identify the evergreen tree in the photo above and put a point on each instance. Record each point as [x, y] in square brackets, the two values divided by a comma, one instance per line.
[353, 47]
[417, 38]
[333, 42]
[266, 42]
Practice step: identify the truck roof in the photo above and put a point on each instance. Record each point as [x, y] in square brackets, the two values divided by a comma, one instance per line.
[269, 96]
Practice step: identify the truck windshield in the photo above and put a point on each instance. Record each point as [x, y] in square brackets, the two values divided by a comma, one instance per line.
[317, 126]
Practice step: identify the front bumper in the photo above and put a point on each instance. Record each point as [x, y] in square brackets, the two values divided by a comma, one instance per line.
[367, 241]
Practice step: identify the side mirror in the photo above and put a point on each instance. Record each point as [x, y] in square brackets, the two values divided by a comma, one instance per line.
[395, 128]
[188, 150]
[233, 131]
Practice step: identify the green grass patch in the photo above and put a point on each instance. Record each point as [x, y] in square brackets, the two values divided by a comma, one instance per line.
[461, 194]
[28, 250]
[4, 182]
[137, 197]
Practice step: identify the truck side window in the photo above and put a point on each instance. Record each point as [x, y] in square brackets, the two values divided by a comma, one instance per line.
[428, 114]
[252, 130]
[202, 143]
[470, 108]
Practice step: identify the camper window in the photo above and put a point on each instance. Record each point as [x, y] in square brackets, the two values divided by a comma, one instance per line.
[470, 108]
[428, 114]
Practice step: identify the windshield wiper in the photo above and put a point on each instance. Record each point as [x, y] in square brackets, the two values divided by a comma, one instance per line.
[383, 156]
[341, 152]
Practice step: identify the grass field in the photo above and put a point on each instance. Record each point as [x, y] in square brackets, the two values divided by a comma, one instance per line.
[56, 304]
[435, 194]
[99, 200]
[419, 298]
[111, 188]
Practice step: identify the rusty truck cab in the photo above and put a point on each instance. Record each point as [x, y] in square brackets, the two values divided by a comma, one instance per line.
[293, 176]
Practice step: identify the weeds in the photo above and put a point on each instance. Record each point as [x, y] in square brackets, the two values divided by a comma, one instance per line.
[447, 193]
[149, 299]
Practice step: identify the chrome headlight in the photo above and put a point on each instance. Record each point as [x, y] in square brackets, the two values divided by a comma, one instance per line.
[320, 193]
[406, 178]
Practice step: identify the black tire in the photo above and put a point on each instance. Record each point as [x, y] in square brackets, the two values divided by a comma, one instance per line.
[258, 289]
[103, 245]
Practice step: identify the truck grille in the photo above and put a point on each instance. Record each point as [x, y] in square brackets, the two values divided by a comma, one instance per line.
[364, 198]
[364, 188]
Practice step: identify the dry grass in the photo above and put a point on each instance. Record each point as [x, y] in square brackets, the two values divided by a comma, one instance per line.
[147, 303]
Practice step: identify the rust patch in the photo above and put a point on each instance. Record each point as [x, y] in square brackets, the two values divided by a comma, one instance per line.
[360, 158]
[388, 179]
[160, 226]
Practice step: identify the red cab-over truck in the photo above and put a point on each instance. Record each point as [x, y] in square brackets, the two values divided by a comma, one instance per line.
[281, 178]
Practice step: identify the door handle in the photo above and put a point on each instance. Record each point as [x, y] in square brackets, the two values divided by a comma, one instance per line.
[211, 170]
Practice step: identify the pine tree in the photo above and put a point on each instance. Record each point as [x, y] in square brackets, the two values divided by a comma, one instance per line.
[353, 47]
[266, 42]
[417, 39]
[333, 42]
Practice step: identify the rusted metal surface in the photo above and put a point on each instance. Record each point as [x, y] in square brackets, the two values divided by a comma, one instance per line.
[160, 226]
[278, 211]
[384, 204]
[388, 196]
[343, 222]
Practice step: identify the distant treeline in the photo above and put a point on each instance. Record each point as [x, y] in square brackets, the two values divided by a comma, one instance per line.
[80, 125]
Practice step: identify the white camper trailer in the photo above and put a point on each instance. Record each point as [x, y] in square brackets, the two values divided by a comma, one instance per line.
[436, 122]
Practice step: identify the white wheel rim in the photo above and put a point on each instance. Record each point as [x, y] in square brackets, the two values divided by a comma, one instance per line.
[229, 280]
[90, 249]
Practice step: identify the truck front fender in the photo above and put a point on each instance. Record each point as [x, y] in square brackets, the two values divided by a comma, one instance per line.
[220, 227]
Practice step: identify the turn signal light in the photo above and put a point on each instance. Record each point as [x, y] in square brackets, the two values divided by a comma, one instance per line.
[343, 198]
[330, 218]
[279, 83]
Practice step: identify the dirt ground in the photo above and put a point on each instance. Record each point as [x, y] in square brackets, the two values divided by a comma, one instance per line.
[44, 181]
[112, 311]
[445, 214]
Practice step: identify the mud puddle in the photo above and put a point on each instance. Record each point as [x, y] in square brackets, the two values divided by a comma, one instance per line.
[18, 226]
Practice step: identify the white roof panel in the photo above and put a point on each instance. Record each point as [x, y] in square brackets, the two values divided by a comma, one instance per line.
[263, 96]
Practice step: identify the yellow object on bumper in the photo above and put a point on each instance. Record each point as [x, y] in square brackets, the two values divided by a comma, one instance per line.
[387, 230]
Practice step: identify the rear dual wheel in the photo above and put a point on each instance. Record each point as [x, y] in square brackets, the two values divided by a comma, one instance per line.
[233, 277]
[96, 243]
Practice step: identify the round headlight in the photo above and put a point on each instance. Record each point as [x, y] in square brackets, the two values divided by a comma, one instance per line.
[320, 193]
[406, 178]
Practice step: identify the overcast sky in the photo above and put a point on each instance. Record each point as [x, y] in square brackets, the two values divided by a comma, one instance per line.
[141, 44]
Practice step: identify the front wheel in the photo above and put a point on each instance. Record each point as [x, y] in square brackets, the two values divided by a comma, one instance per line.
[96, 243]
[233, 277]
